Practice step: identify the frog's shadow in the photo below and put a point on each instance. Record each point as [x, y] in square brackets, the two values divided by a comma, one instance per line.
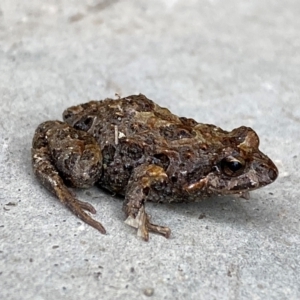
[225, 210]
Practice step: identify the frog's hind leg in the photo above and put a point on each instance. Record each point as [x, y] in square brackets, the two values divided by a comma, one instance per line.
[136, 195]
[59, 151]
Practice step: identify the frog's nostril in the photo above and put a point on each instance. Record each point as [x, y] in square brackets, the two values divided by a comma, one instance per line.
[272, 174]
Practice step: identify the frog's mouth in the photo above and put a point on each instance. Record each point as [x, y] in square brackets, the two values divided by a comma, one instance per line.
[210, 190]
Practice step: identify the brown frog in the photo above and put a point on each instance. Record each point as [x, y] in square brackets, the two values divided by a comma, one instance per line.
[134, 147]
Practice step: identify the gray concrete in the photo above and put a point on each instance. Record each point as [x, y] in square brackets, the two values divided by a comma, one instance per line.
[230, 63]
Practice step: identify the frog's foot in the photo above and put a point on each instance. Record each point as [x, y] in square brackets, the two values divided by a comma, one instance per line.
[79, 207]
[142, 223]
[142, 180]
[86, 206]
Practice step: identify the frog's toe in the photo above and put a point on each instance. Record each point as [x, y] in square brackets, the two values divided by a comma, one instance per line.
[86, 206]
[165, 231]
[139, 222]
[142, 223]
[79, 207]
[89, 220]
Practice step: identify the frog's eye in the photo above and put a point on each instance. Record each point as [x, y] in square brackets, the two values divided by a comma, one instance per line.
[232, 166]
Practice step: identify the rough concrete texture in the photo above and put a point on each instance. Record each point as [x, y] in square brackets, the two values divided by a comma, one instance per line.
[229, 63]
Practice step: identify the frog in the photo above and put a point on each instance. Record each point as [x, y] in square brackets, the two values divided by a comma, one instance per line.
[133, 147]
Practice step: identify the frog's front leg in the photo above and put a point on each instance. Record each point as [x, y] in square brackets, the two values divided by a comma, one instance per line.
[137, 191]
[61, 154]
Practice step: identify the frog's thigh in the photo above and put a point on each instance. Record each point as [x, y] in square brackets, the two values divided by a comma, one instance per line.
[136, 195]
[76, 154]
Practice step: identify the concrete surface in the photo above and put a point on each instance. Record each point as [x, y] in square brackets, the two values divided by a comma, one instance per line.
[230, 63]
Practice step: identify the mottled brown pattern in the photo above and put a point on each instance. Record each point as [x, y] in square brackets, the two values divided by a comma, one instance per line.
[133, 147]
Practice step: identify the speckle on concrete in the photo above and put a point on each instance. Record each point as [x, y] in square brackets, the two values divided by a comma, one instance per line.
[229, 63]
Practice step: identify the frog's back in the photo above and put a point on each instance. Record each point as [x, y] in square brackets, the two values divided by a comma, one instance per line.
[132, 131]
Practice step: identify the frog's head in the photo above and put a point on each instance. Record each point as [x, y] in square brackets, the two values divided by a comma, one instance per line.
[238, 166]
